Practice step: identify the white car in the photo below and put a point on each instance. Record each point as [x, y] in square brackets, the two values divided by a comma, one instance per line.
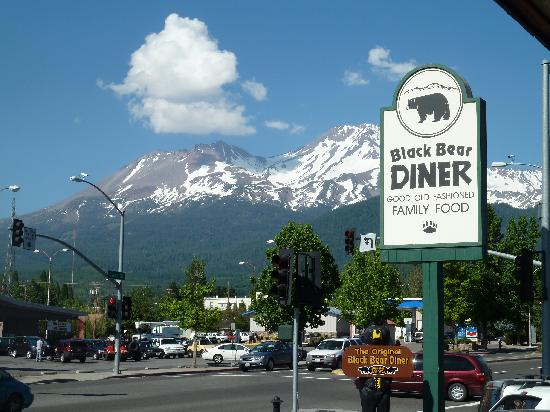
[170, 347]
[224, 352]
[328, 353]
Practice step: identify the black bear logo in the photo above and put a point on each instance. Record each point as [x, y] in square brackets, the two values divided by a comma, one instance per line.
[435, 104]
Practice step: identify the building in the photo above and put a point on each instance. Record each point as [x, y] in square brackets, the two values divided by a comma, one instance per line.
[223, 303]
[18, 317]
[334, 325]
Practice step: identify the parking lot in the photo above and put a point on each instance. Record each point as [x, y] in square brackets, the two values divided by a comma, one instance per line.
[22, 366]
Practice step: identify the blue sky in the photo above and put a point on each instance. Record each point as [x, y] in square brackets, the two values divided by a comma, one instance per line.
[92, 85]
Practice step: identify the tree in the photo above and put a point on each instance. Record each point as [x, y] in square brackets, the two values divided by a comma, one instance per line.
[300, 238]
[485, 291]
[188, 307]
[412, 282]
[370, 291]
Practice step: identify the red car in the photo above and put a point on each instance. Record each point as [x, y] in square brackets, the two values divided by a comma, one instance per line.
[465, 376]
[109, 352]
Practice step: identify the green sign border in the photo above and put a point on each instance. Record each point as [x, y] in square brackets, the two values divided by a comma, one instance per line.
[441, 251]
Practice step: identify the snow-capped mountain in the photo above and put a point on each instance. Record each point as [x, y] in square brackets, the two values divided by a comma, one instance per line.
[339, 168]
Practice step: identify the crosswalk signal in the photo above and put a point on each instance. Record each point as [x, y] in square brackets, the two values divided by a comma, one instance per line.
[349, 241]
[17, 232]
[524, 274]
[110, 307]
[281, 276]
[126, 307]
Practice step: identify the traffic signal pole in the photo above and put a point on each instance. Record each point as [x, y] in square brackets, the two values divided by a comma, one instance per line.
[295, 360]
[118, 283]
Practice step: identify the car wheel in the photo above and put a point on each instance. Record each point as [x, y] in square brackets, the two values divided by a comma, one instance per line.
[14, 404]
[29, 354]
[95, 356]
[457, 392]
[82, 360]
[269, 365]
[244, 368]
[13, 354]
[180, 355]
[63, 358]
[217, 359]
[338, 364]
[311, 368]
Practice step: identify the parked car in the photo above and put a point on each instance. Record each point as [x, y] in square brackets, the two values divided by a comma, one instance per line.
[148, 350]
[23, 346]
[267, 355]
[498, 389]
[328, 354]
[464, 376]
[14, 395]
[92, 346]
[5, 343]
[109, 352]
[202, 345]
[224, 352]
[98, 351]
[69, 349]
[170, 347]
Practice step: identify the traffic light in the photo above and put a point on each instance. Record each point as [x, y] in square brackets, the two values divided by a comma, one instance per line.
[126, 307]
[524, 274]
[350, 241]
[110, 307]
[308, 280]
[17, 232]
[281, 276]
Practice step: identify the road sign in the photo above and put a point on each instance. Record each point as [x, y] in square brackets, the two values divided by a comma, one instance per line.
[29, 238]
[384, 361]
[368, 242]
[113, 274]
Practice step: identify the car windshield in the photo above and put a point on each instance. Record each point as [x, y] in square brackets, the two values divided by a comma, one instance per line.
[32, 340]
[170, 341]
[264, 347]
[330, 345]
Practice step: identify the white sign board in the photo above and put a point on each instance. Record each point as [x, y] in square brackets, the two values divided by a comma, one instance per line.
[431, 163]
[58, 326]
[368, 242]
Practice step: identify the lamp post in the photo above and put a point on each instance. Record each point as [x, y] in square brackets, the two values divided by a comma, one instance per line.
[254, 278]
[50, 258]
[81, 178]
[10, 255]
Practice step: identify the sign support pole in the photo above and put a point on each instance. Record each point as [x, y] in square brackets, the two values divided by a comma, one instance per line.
[432, 325]
[295, 360]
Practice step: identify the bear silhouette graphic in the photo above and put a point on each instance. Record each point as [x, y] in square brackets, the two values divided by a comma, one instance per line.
[435, 104]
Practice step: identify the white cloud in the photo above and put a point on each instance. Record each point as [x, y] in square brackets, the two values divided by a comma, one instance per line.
[176, 79]
[279, 125]
[255, 89]
[354, 79]
[296, 129]
[380, 59]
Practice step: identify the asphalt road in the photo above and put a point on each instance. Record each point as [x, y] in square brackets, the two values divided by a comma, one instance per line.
[234, 391]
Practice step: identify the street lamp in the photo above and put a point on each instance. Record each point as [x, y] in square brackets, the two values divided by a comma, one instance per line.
[13, 188]
[50, 258]
[82, 178]
[512, 162]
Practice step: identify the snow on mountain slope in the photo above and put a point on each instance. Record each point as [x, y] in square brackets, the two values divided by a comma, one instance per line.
[340, 167]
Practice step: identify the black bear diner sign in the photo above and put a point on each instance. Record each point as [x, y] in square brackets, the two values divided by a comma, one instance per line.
[433, 170]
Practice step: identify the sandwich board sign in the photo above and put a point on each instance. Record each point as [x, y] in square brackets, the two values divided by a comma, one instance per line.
[433, 170]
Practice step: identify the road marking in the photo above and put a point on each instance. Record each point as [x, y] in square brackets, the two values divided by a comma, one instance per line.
[233, 375]
[460, 406]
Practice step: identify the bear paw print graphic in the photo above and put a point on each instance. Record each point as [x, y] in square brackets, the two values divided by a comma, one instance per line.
[429, 227]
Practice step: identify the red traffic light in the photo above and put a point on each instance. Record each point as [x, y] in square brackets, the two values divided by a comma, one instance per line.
[112, 300]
